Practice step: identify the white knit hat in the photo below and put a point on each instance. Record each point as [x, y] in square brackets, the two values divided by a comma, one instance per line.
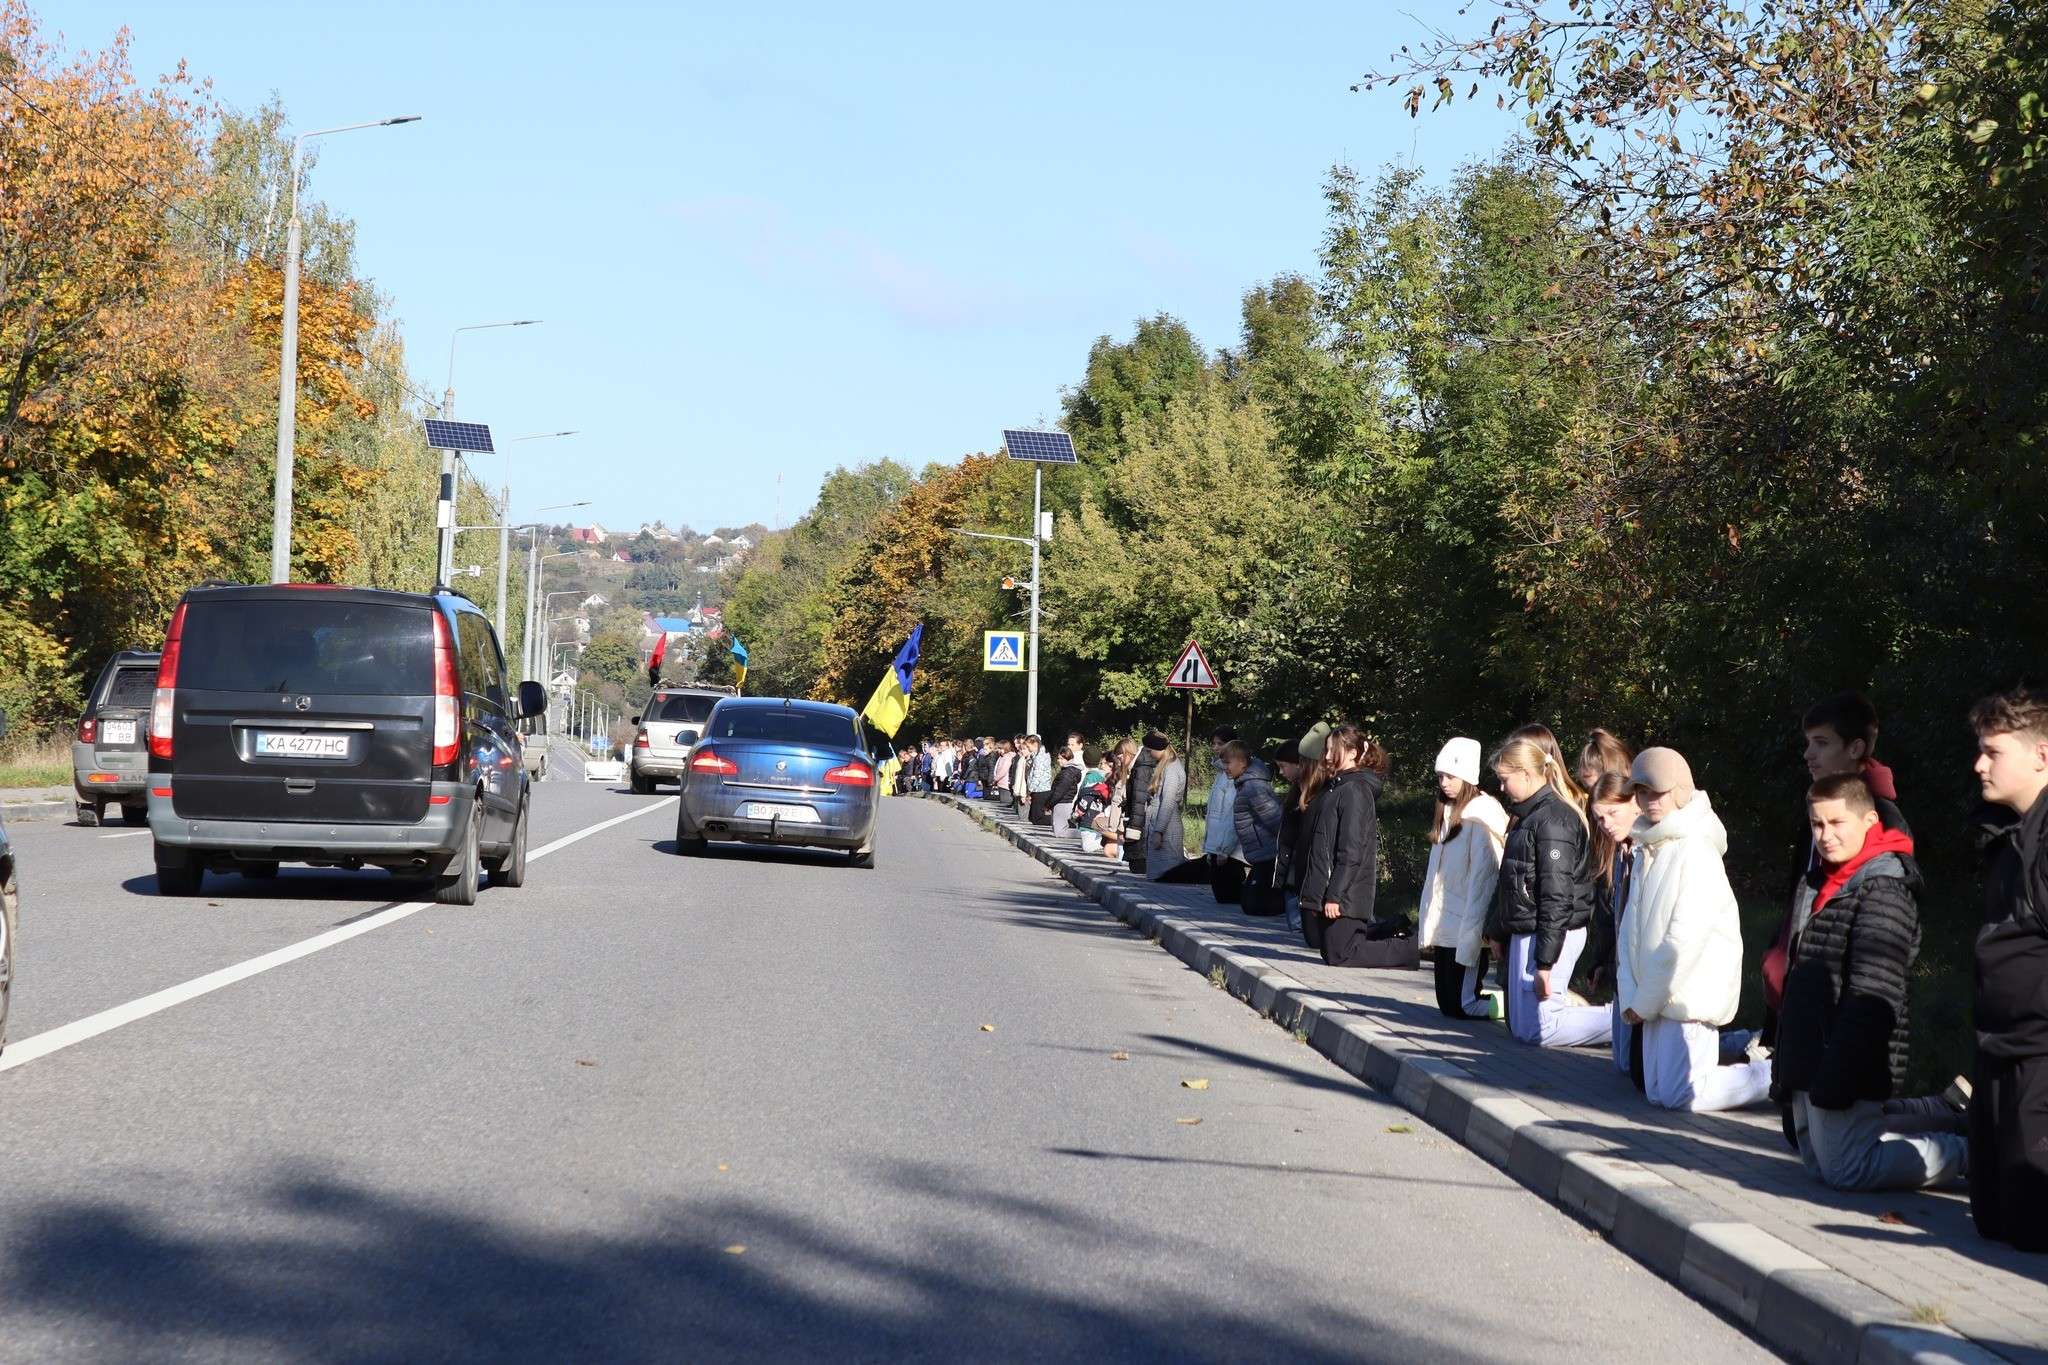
[1460, 758]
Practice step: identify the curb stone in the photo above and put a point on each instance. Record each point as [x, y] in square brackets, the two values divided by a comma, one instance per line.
[1789, 1300]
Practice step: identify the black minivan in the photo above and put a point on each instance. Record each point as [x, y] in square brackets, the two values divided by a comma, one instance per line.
[339, 727]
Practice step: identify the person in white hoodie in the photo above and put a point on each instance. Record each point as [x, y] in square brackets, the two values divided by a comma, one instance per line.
[1458, 885]
[1678, 954]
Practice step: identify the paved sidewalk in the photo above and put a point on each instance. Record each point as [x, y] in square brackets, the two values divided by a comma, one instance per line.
[1716, 1202]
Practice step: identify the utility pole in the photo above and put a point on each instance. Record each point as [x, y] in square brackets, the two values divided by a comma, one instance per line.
[1040, 448]
[444, 562]
[1031, 686]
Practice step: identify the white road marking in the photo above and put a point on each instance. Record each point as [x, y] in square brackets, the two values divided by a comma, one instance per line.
[130, 834]
[93, 1025]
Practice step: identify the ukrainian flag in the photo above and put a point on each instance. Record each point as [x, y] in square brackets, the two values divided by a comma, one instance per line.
[739, 664]
[890, 706]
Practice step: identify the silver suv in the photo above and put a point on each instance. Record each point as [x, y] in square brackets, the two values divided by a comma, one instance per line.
[662, 738]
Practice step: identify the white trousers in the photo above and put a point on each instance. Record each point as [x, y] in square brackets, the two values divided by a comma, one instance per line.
[1550, 1023]
[1682, 1069]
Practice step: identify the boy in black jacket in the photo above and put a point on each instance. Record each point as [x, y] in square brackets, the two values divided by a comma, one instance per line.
[2009, 1109]
[1842, 1026]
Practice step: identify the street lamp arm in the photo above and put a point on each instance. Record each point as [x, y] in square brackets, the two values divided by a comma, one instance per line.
[988, 535]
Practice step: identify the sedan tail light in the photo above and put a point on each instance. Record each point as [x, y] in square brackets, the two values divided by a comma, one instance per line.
[851, 775]
[711, 761]
[163, 704]
[88, 731]
[447, 705]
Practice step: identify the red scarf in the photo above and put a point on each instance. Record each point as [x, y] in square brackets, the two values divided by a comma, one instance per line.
[1877, 842]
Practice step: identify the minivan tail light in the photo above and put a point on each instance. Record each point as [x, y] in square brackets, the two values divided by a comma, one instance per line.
[850, 775]
[88, 731]
[163, 705]
[447, 705]
[711, 761]
[640, 741]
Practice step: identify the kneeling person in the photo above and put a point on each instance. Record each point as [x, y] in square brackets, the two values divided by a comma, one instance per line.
[1678, 950]
[1842, 1026]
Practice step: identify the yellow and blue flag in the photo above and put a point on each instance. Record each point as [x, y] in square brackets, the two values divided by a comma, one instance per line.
[739, 664]
[890, 706]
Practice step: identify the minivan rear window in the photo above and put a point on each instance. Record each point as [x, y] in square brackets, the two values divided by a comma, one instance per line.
[312, 644]
[131, 687]
[813, 729]
[694, 710]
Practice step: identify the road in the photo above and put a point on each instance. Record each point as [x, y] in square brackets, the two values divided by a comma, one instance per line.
[750, 1106]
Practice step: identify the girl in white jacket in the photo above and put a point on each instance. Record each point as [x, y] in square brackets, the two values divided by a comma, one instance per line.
[1464, 863]
[1678, 957]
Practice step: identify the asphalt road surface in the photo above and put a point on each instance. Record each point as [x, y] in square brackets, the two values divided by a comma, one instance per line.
[749, 1106]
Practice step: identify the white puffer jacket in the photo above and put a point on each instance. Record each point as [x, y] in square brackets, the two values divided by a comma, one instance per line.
[1457, 887]
[1680, 949]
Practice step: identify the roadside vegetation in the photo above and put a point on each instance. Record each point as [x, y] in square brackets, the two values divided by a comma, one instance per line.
[1720, 391]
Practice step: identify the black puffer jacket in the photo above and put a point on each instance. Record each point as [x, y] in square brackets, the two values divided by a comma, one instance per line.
[1343, 846]
[1066, 783]
[2012, 943]
[1294, 828]
[1138, 795]
[1546, 876]
[1842, 1027]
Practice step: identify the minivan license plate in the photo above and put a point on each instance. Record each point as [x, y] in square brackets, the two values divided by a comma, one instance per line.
[271, 744]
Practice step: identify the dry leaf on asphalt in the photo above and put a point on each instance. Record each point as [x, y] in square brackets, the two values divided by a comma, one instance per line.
[988, 1028]
[723, 1167]
[585, 1061]
[1196, 1084]
[736, 1249]
[1187, 1123]
[1891, 1216]
[1119, 1056]
[1399, 1128]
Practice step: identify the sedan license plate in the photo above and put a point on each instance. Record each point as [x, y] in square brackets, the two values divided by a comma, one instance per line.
[769, 810]
[271, 744]
[118, 732]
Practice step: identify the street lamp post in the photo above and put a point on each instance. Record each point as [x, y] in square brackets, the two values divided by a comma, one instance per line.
[1036, 543]
[288, 362]
[446, 557]
[505, 530]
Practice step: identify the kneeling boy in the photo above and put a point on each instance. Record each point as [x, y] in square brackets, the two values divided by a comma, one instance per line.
[1842, 1028]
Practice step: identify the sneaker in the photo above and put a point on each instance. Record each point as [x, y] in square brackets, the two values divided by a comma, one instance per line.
[1756, 1051]
[1957, 1096]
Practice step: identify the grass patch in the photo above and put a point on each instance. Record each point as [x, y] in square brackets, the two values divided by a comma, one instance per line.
[37, 763]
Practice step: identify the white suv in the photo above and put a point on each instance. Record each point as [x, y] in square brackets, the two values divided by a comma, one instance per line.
[661, 741]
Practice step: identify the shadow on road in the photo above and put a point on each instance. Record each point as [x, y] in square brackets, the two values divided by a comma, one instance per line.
[757, 853]
[324, 1270]
[292, 884]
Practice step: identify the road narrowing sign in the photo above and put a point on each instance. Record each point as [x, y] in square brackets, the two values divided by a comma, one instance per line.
[1002, 651]
[1191, 672]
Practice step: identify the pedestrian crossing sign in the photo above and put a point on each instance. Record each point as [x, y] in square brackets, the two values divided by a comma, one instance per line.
[1191, 671]
[1002, 651]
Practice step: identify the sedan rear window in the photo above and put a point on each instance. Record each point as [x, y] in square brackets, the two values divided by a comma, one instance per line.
[309, 644]
[693, 710]
[131, 687]
[811, 729]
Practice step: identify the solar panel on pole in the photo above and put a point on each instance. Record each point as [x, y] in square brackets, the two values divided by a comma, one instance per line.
[1044, 447]
[472, 437]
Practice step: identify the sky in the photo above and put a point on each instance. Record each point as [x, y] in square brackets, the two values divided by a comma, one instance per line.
[766, 243]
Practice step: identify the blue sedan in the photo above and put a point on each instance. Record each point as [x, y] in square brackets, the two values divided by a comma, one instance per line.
[773, 770]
